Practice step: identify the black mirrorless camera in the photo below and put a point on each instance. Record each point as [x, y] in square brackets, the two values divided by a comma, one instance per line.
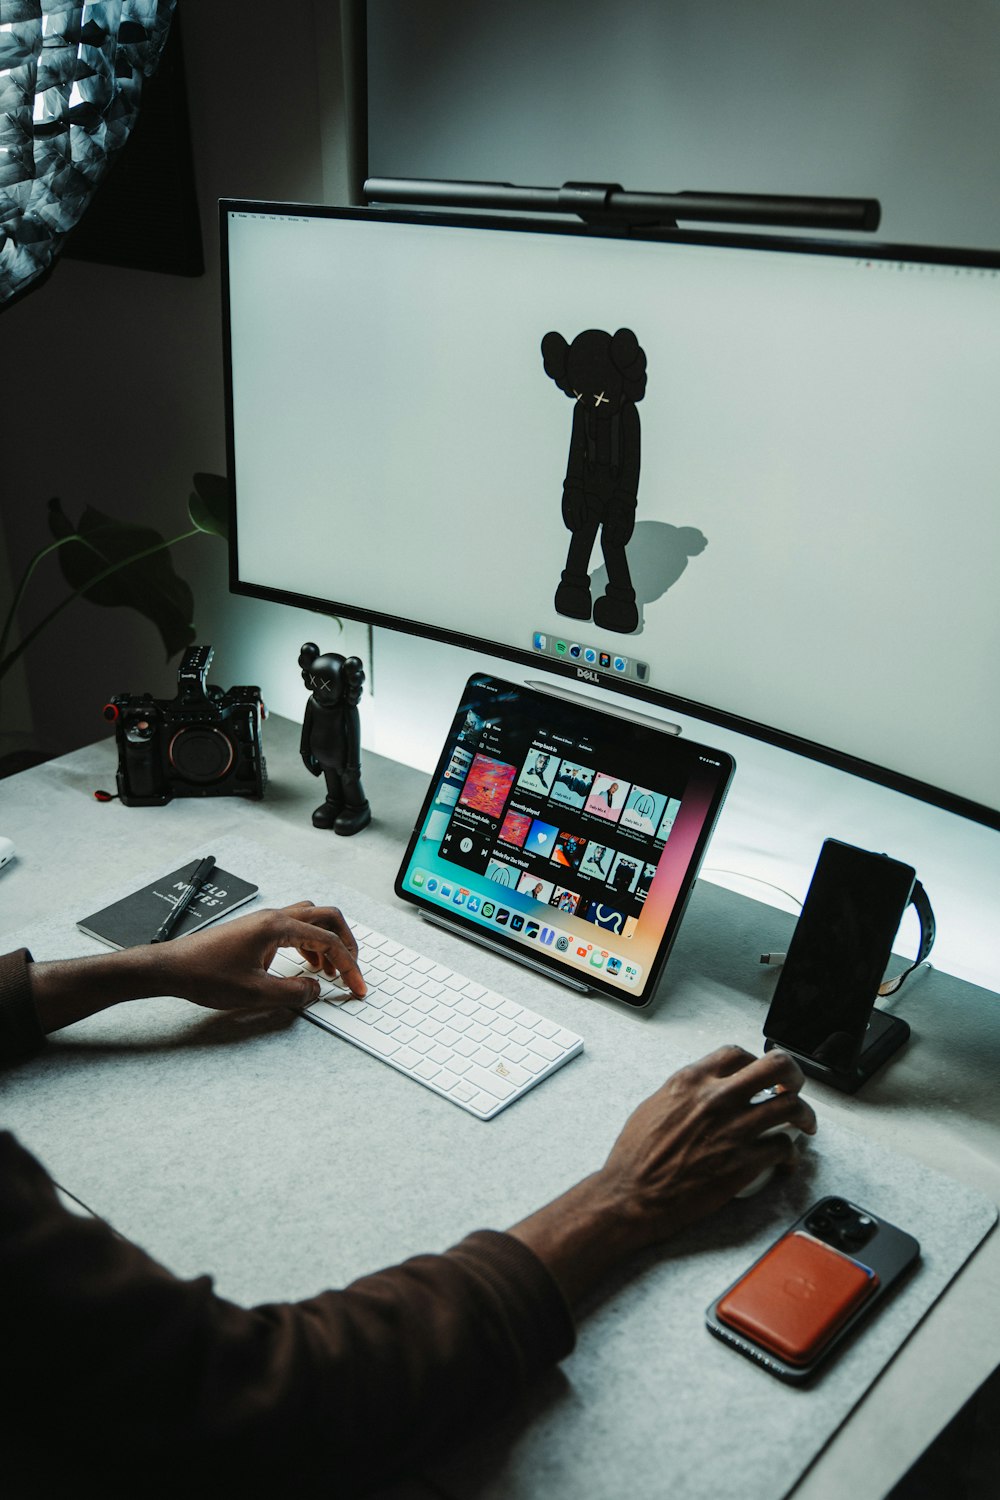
[203, 743]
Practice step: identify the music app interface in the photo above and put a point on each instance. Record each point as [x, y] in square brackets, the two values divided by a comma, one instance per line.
[564, 829]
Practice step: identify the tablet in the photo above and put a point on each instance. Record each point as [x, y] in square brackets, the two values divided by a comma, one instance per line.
[564, 834]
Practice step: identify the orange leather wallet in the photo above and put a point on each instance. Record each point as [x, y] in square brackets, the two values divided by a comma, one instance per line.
[792, 1301]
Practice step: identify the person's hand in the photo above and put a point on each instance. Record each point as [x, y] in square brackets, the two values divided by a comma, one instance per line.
[683, 1153]
[693, 1144]
[226, 966]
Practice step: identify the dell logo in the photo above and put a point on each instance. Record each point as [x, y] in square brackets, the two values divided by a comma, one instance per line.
[587, 676]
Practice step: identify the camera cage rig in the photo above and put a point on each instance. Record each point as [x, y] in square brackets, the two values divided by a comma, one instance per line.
[205, 742]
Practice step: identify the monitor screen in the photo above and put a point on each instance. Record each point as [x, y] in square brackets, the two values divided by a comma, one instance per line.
[756, 480]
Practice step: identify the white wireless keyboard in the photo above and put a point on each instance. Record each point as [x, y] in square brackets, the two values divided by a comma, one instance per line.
[470, 1045]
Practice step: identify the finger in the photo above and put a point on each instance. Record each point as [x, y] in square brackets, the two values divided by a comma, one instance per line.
[293, 990]
[784, 1108]
[733, 1061]
[330, 948]
[330, 918]
[722, 1062]
[775, 1070]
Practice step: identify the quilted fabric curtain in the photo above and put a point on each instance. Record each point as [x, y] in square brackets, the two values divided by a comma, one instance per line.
[70, 81]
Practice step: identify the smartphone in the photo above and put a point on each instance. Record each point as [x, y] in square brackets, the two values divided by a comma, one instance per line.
[810, 1289]
[828, 984]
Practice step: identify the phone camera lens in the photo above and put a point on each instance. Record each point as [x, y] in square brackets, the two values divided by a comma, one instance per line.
[837, 1208]
[819, 1225]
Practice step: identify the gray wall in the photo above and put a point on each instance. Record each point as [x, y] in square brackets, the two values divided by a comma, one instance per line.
[896, 100]
[113, 381]
[113, 387]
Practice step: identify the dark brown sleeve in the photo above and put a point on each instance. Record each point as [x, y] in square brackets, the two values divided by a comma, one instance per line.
[126, 1369]
[21, 1032]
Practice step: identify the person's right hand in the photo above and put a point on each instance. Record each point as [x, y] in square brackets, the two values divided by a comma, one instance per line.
[693, 1144]
[683, 1153]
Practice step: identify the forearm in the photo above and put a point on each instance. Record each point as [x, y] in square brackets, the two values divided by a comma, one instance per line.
[329, 1394]
[68, 990]
[580, 1236]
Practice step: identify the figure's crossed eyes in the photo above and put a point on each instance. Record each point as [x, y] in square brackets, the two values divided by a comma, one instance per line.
[600, 399]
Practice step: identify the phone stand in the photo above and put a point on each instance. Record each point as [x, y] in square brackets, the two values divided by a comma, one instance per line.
[884, 1035]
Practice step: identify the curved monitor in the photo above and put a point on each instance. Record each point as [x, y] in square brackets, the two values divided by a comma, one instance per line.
[749, 478]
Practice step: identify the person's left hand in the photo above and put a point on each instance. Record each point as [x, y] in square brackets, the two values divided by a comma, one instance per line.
[225, 967]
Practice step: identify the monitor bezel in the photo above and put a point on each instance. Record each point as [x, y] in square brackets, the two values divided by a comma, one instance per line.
[783, 739]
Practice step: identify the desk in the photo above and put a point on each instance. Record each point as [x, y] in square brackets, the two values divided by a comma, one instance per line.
[937, 1104]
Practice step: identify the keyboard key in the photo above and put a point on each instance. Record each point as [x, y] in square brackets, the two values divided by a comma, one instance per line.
[483, 1078]
[285, 966]
[387, 1045]
[545, 1049]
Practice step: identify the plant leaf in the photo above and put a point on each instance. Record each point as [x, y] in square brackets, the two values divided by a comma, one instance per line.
[150, 585]
[208, 504]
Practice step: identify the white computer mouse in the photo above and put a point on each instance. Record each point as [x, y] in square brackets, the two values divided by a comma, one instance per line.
[763, 1178]
[6, 851]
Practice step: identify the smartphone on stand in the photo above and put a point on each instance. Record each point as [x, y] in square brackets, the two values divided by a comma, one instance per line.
[823, 1010]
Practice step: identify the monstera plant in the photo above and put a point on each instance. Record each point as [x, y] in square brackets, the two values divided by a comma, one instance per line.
[114, 562]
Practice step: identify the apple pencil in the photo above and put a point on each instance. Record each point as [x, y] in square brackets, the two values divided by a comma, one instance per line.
[187, 895]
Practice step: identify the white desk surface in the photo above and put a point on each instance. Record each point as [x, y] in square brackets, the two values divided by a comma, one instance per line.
[936, 1105]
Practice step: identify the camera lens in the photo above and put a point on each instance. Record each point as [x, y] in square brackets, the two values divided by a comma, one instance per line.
[819, 1225]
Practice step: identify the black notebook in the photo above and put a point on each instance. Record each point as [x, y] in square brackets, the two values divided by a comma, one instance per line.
[133, 920]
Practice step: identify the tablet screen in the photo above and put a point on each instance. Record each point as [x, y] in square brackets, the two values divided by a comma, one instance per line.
[565, 833]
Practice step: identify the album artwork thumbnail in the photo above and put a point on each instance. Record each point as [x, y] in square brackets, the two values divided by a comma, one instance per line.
[515, 828]
[538, 890]
[572, 784]
[542, 838]
[538, 772]
[597, 861]
[670, 812]
[487, 785]
[569, 849]
[607, 797]
[564, 900]
[624, 873]
[643, 810]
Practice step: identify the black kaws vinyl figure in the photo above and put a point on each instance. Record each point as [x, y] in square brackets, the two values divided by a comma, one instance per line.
[331, 737]
[605, 375]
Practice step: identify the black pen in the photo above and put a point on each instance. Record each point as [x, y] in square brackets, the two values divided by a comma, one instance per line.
[187, 895]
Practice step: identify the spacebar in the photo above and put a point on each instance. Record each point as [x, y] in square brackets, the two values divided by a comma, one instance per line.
[349, 1026]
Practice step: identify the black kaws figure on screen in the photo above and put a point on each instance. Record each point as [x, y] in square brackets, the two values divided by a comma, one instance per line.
[331, 737]
[605, 375]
